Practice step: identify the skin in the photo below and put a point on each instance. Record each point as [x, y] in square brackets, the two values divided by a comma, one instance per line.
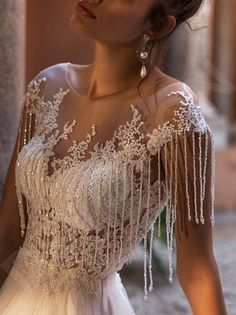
[114, 61]
[115, 64]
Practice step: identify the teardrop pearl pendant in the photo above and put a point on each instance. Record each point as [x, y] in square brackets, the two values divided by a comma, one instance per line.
[143, 55]
[143, 72]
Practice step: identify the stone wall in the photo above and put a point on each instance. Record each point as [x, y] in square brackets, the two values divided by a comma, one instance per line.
[12, 42]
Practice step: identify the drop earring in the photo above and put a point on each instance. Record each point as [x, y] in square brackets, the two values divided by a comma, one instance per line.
[144, 54]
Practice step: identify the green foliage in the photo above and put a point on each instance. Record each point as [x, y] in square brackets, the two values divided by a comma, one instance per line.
[163, 237]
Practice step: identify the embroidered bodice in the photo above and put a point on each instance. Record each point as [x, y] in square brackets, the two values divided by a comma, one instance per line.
[86, 204]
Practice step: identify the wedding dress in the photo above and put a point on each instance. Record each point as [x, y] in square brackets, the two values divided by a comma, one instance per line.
[89, 193]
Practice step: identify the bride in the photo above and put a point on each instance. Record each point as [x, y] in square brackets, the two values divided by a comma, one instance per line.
[101, 150]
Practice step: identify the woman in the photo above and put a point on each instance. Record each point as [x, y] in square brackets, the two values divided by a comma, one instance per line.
[95, 163]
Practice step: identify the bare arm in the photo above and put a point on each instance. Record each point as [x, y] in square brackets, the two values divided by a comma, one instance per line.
[197, 269]
[188, 160]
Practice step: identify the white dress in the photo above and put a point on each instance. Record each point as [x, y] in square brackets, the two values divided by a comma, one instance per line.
[89, 196]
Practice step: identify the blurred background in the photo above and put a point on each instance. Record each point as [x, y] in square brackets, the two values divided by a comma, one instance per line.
[36, 34]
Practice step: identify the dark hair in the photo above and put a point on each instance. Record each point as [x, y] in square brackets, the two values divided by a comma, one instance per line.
[182, 10]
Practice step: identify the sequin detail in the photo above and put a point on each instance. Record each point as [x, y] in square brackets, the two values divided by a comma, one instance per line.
[86, 218]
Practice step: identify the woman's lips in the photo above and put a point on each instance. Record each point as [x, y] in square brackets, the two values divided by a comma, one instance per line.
[83, 9]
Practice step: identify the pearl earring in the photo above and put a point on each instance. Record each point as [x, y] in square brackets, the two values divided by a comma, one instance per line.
[144, 54]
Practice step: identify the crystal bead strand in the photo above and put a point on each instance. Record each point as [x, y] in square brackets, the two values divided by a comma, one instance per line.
[25, 134]
[109, 215]
[176, 176]
[150, 257]
[140, 200]
[174, 204]
[123, 210]
[116, 209]
[20, 130]
[205, 168]
[212, 179]
[98, 217]
[159, 226]
[194, 178]
[200, 178]
[146, 230]
[159, 188]
[171, 207]
[186, 175]
[22, 124]
[131, 205]
[30, 127]
[167, 188]
[168, 201]
[21, 208]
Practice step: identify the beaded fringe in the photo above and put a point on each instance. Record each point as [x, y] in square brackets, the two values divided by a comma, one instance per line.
[191, 162]
[27, 125]
[25, 132]
[185, 155]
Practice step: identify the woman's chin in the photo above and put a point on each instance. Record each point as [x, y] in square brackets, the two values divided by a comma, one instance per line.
[77, 25]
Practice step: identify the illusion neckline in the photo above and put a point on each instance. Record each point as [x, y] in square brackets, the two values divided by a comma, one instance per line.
[77, 93]
[69, 83]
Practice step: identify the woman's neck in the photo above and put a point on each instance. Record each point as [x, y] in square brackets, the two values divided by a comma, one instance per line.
[113, 69]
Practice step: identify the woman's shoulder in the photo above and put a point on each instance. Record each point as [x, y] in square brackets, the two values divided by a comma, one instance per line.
[62, 74]
[46, 82]
[164, 88]
[172, 93]
[50, 73]
[177, 105]
[170, 87]
[53, 72]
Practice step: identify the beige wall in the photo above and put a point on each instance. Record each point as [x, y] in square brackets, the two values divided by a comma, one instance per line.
[223, 72]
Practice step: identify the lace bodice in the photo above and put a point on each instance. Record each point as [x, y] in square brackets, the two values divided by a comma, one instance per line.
[89, 202]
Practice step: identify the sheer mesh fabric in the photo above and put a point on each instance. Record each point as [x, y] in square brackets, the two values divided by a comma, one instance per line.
[93, 178]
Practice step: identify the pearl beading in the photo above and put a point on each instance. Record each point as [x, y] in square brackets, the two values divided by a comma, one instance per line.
[87, 217]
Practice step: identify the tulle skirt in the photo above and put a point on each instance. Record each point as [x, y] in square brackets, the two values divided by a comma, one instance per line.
[110, 299]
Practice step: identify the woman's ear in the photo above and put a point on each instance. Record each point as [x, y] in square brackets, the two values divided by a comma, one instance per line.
[163, 27]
